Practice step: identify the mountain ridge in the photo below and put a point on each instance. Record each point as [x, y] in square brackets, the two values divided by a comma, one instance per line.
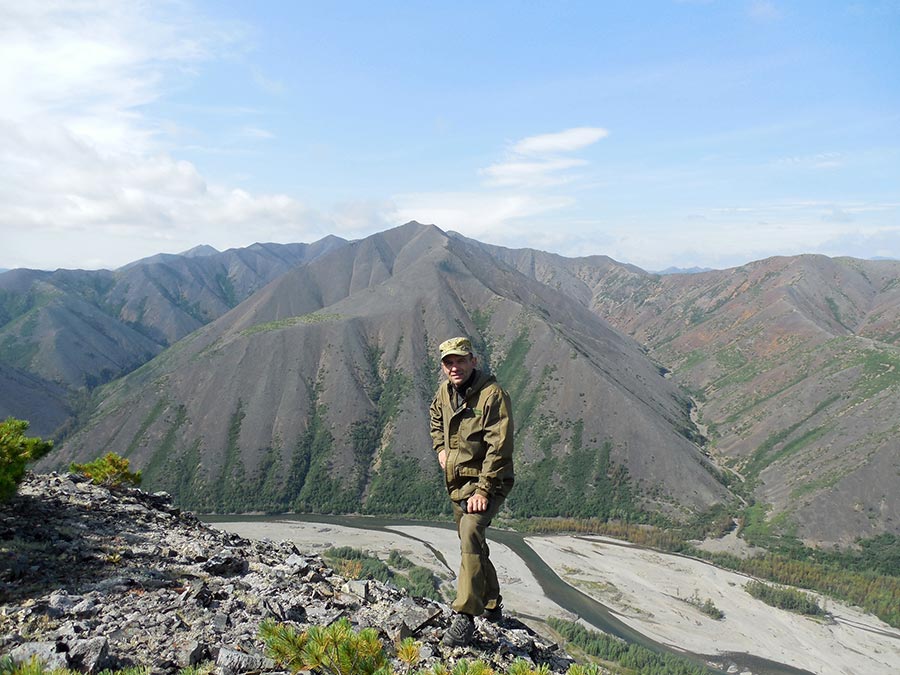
[331, 339]
[771, 350]
[322, 374]
[110, 322]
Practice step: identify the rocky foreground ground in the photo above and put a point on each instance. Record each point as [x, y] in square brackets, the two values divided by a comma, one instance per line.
[92, 578]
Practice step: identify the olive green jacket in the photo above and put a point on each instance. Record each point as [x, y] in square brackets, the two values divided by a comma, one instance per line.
[477, 437]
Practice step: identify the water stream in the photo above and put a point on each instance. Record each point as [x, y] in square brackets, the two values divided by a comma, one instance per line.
[560, 592]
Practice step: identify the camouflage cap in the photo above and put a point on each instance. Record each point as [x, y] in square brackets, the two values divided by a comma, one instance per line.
[459, 345]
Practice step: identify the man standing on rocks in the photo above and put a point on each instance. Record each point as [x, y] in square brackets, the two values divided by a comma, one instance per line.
[472, 434]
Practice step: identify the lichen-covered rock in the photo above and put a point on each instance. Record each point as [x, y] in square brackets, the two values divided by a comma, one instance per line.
[93, 579]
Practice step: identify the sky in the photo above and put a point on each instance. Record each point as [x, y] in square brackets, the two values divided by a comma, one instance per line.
[659, 133]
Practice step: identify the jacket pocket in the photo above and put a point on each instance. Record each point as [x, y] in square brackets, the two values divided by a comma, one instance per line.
[468, 471]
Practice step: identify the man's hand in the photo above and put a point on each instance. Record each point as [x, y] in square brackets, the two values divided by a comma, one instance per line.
[442, 459]
[477, 503]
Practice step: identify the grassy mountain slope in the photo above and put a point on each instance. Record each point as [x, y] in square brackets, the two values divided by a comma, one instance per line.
[795, 363]
[312, 394]
[24, 396]
[80, 328]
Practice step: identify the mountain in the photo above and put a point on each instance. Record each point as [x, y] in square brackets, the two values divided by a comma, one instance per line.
[312, 394]
[794, 363]
[79, 328]
[200, 251]
[796, 360]
[771, 386]
[44, 404]
[684, 270]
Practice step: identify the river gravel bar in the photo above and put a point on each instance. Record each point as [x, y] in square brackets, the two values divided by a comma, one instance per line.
[648, 590]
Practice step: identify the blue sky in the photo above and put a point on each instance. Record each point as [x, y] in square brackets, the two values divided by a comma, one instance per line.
[658, 133]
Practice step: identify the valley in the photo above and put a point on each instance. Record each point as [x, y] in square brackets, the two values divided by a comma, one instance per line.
[644, 594]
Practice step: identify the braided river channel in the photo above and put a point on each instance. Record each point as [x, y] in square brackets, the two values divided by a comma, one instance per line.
[553, 587]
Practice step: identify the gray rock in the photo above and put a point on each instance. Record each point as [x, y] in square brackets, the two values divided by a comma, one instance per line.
[86, 607]
[232, 662]
[285, 611]
[220, 622]
[358, 587]
[297, 564]
[188, 593]
[48, 653]
[398, 632]
[414, 616]
[88, 656]
[60, 603]
[190, 653]
[225, 565]
[195, 552]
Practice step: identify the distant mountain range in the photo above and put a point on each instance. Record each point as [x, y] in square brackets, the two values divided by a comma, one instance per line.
[684, 270]
[296, 377]
[795, 365]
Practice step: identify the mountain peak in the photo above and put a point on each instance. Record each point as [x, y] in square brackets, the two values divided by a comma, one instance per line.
[199, 251]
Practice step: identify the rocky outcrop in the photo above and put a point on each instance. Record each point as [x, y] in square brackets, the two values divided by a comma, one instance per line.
[92, 578]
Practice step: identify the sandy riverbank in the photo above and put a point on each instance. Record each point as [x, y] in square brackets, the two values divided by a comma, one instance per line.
[646, 589]
[521, 592]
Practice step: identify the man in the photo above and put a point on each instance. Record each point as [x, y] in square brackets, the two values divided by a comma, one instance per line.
[472, 434]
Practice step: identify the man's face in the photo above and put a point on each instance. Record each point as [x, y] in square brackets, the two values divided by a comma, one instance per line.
[458, 368]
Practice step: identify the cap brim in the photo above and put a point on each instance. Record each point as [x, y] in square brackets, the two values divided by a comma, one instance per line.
[455, 352]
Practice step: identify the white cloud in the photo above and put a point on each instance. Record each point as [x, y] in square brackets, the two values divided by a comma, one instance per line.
[521, 198]
[493, 217]
[764, 10]
[268, 85]
[529, 174]
[86, 172]
[821, 160]
[569, 140]
[539, 161]
[724, 237]
[89, 66]
[255, 133]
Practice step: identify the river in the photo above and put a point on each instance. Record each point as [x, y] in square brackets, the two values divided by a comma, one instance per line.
[556, 589]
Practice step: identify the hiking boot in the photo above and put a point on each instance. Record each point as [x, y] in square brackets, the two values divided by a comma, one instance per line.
[494, 615]
[460, 633]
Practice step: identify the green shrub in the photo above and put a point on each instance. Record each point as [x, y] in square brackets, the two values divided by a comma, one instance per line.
[631, 657]
[409, 651]
[35, 666]
[110, 470]
[706, 606]
[784, 598]
[332, 650]
[284, 644]
[356, 564]
[16, 450]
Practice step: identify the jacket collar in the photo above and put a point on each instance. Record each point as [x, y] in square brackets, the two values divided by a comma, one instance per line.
[475, 383]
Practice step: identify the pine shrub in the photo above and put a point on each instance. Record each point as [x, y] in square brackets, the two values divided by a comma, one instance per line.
[16, 450]
[332, 650]
[110, 470]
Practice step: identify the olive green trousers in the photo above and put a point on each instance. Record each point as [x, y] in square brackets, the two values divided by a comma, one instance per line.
[477, 587]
